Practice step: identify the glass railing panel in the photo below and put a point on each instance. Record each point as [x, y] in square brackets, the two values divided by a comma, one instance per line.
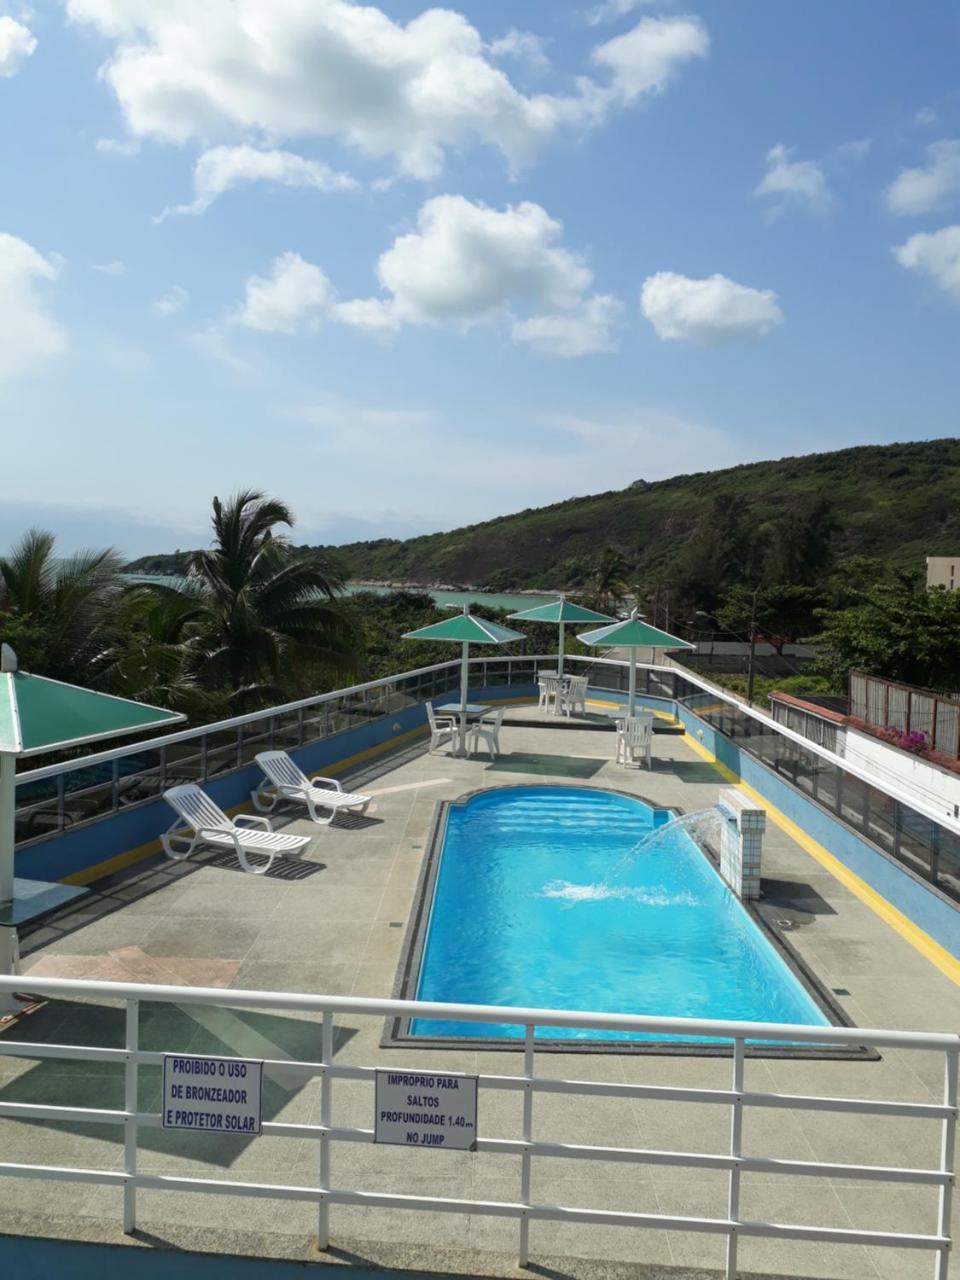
[222, 751]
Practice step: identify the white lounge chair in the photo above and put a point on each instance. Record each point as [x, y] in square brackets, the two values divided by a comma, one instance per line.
[635, 740]
[574, 696]
[285, 780]
[442, 728]
[201, 821]
[487, 728]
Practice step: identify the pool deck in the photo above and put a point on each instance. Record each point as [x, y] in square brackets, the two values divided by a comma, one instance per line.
[338, 926]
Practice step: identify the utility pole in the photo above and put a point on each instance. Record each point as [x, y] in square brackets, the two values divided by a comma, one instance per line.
[753, 647]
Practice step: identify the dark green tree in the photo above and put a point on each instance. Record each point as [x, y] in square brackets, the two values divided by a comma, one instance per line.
[784, 613]
[610, 578]
[61, 608]
[264, 610]
[898, 630]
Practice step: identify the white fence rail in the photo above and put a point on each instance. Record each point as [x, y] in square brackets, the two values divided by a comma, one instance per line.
[326, 1193]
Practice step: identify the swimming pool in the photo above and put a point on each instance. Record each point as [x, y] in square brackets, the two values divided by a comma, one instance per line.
[537, 902]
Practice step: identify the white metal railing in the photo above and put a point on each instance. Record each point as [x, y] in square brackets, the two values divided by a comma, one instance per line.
[530, 1083]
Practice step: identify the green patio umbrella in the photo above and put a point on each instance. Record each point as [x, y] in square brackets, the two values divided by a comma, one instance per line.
[464, 629]
[633, 633]
[559, 612]
[39, 715]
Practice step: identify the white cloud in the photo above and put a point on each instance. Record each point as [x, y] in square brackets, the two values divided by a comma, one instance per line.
[465, 265]
[936, 254]
[118, 146]
[174, 300]
[923, 190]
[584, 331]
[925, 117]
[221, 168]
[332, 68]
[294, 298]
[17, 43]
[710, 311]
[800, 181]
[468, 264]
[212, 344]
[645, 59]
[610, 10]
[115, 268]
[522, 45]
[29, 336]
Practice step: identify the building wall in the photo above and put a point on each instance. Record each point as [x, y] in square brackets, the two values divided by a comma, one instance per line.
[943, 571]
[932, 785]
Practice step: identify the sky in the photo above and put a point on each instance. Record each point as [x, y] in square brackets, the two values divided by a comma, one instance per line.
[409, 268]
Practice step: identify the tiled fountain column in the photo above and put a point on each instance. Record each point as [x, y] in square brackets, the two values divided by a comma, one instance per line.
[741, 844]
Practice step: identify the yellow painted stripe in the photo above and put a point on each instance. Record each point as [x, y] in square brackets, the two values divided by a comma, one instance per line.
[661, 715]
[928, 947]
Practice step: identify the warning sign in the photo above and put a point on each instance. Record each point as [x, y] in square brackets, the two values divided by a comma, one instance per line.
[426, 1109]
[216, 1095]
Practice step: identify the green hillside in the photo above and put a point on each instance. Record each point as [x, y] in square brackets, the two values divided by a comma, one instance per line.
[897, 502]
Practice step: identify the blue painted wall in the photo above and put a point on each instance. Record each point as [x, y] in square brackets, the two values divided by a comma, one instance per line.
[925, 908]
[30, 1259]
[76, 849]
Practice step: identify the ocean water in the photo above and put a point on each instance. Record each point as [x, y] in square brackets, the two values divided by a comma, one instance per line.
[537, 904]
[444, 599]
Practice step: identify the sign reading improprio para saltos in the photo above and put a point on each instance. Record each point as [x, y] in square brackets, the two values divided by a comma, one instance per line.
[426, 1109]
[213, 1095]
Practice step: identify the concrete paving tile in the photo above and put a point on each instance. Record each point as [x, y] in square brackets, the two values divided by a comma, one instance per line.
[333, 979]
[215, 936]
[344, 942]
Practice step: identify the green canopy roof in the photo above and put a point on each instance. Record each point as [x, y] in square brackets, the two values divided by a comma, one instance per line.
[38, 714]
[557, 611]
[633, 633]
[465, 628]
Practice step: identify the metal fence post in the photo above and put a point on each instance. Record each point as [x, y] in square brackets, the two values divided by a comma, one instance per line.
[326, 1110]
[947, 1150]
[203, 758]
[131, 1106]
[525, 1159]
[736, 1144]
[115, 786]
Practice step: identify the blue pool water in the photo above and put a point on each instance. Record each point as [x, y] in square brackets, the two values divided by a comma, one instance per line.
[536, 903]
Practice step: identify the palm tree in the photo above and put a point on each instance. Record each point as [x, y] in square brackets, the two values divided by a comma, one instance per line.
[264, 609]
[60, 607]
[150, 656]
[611, 578]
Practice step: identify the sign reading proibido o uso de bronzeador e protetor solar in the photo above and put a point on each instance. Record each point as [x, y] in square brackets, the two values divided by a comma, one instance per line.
[426, 1109]
[212, 1095]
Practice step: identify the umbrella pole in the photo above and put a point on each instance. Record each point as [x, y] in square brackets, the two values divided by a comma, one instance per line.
[563, 628]
[8, 934]
[632, 697]
[464, 681]
[7, 813]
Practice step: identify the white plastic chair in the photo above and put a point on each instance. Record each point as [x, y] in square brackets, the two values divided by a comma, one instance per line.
[635, 740]
[199, 815]
[550, 689]
[442, 728]
[574, 696]
[487, 728]
[285, 780]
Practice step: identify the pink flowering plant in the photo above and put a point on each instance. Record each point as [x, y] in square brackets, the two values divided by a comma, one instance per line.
[915, 740]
